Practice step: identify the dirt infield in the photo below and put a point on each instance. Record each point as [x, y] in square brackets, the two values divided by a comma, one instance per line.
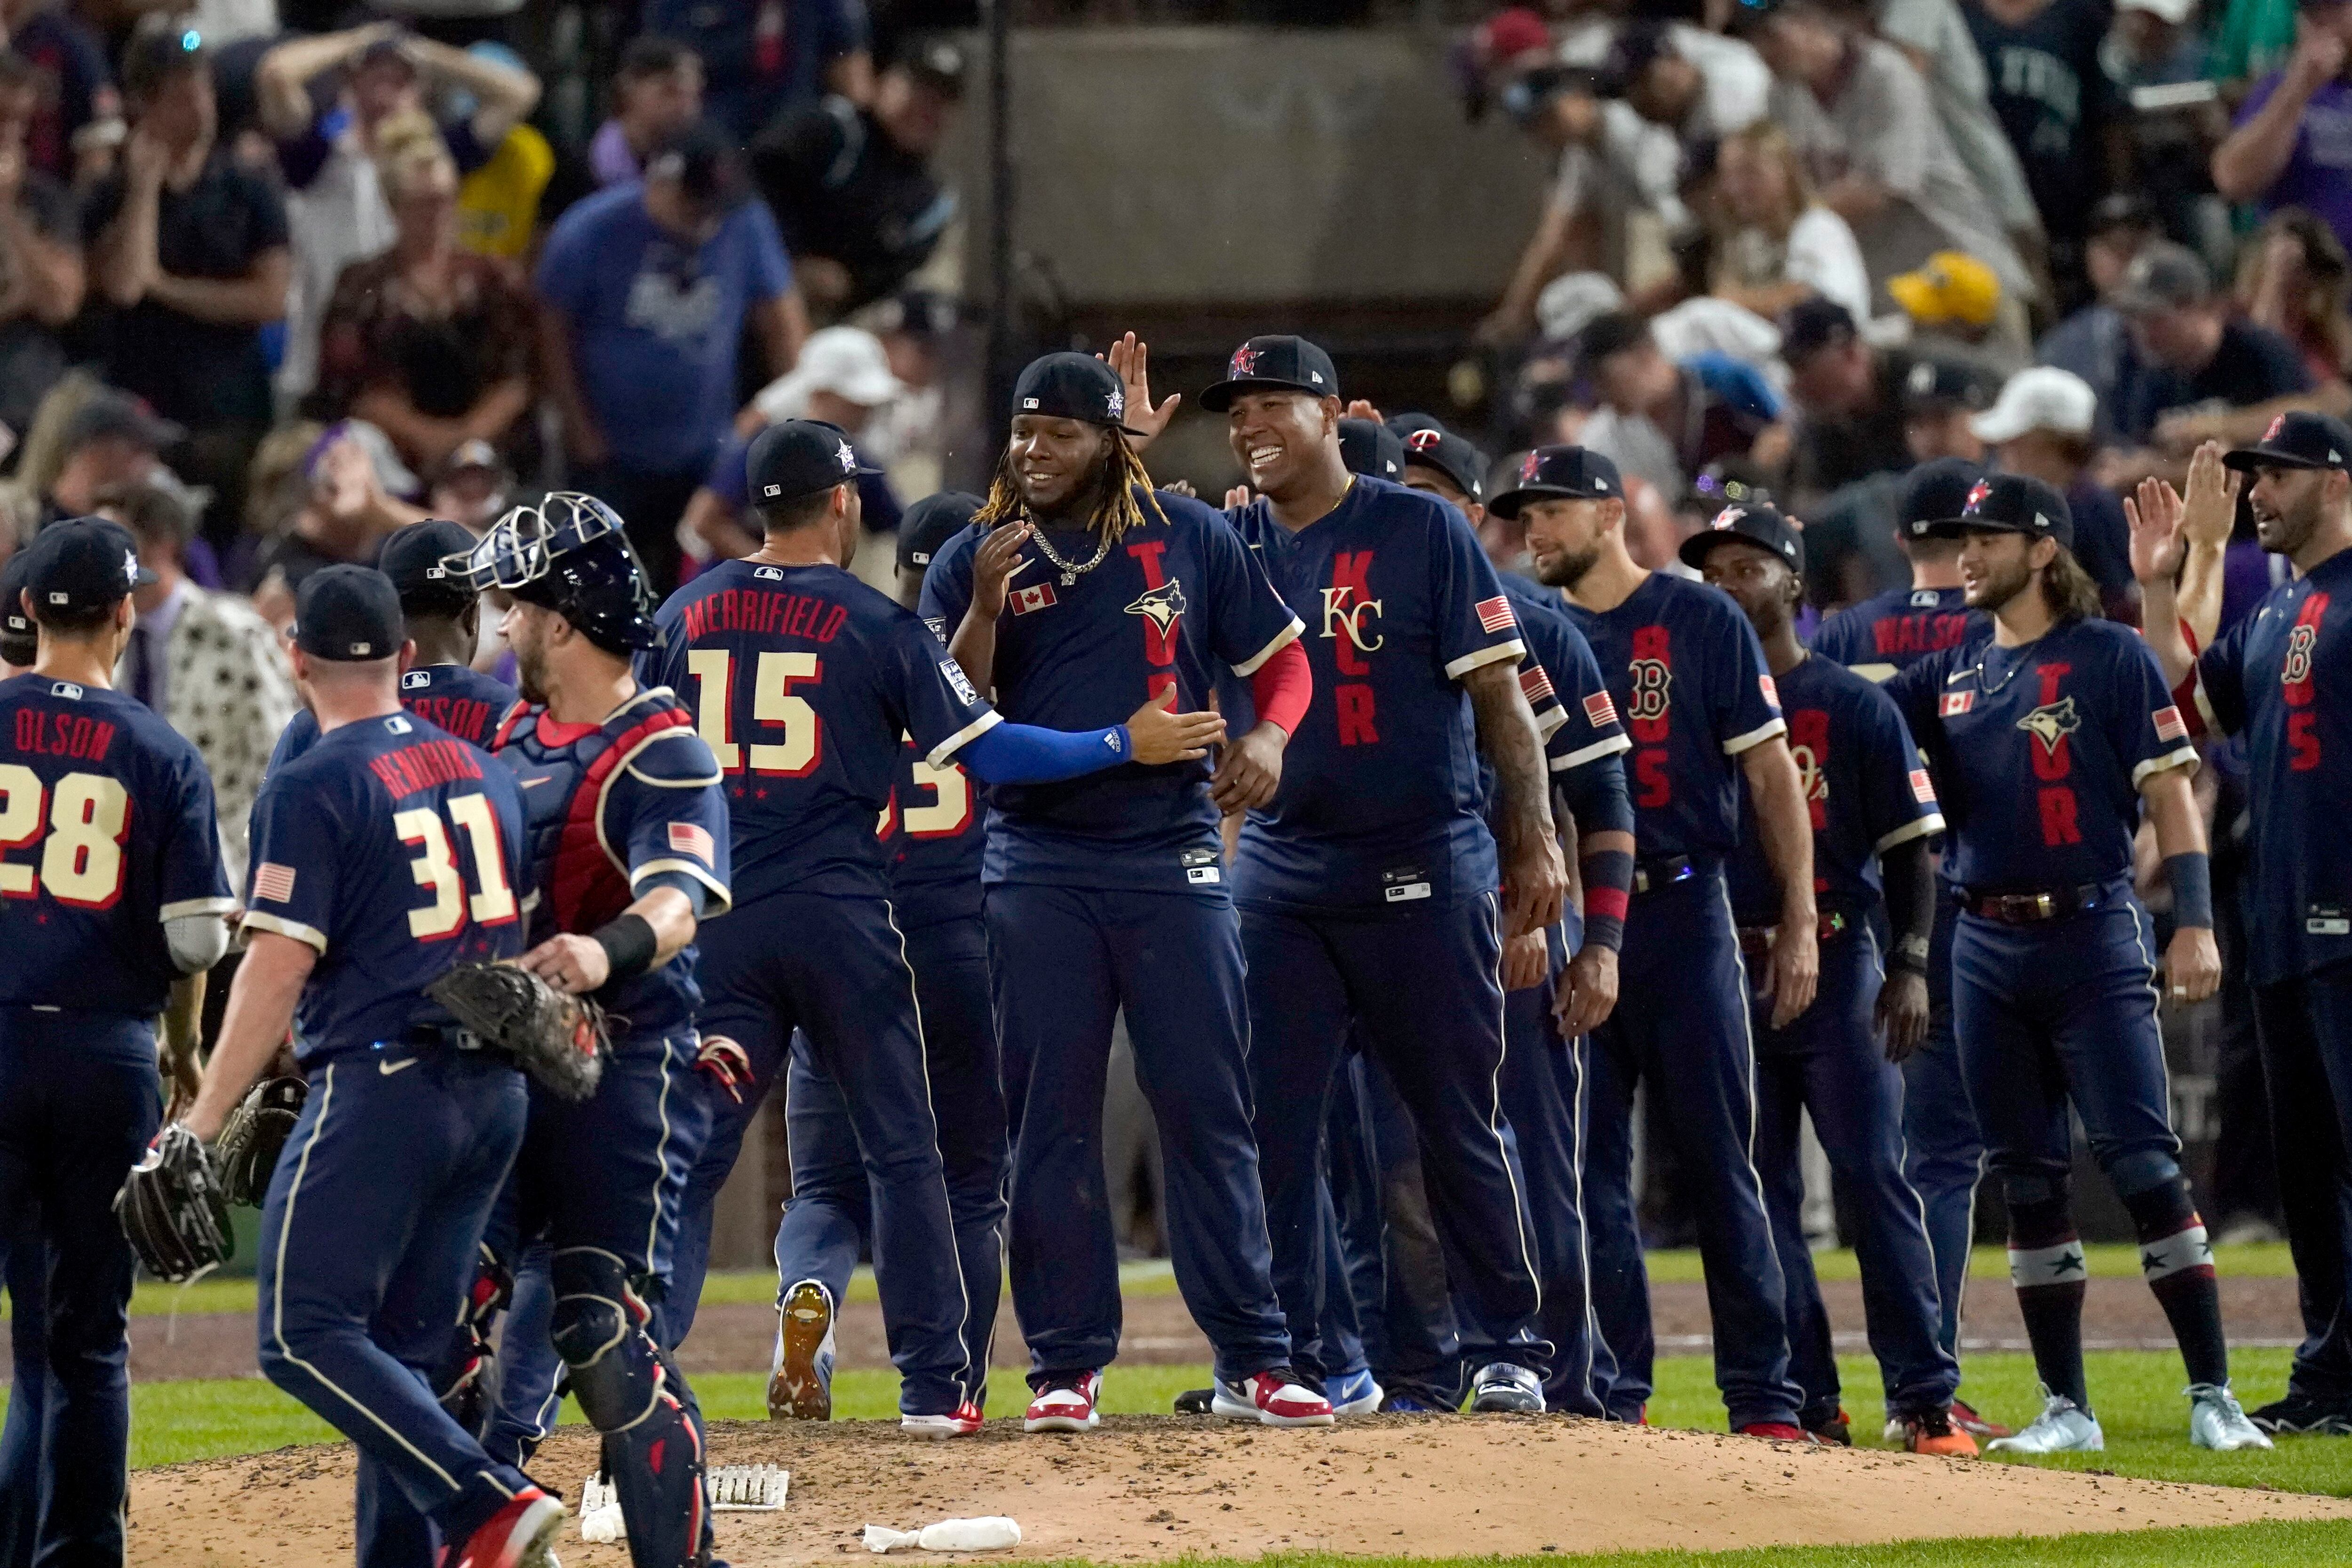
[1153, 1488]
[2120, 1314]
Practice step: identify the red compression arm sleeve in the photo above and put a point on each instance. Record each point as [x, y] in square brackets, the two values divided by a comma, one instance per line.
[1283, 687]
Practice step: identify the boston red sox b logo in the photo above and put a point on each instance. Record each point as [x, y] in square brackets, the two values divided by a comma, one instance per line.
[1652, 682]
[1243, 363]
[2299, 643]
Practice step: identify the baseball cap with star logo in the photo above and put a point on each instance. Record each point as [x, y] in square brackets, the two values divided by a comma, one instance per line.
[799, 457]
[1567, 473]
[82, 564]
[1072, 386]
[2010, 503]
[1755, 522]
[2297, 441]
[1274, 362]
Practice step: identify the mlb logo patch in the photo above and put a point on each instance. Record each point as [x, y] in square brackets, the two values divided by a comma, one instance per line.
[1599, 710]
[416, 680]
[1036, 596]
[273, 883]
[1537, 684]
[1955, 702]
[2168, 724]
[1771, 692]
[1922, 788]
[1494, 614]
[685, 838]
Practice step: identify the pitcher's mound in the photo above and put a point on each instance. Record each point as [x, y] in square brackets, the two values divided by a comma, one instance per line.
[1148, 1488]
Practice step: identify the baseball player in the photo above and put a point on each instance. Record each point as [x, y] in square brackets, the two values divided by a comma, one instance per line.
[1079, 590]
[383, 855]
[26, 1256]
[114, 892]
[2279, 679]
[1942, 1153]
[1873, 812]
[2052, 737]
[444, 620]
[805, 680]
[629, 850]
[1687, 674]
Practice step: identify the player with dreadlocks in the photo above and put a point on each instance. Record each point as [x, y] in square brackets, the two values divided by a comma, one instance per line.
[1078, 592]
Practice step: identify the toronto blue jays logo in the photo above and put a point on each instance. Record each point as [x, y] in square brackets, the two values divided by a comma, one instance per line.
[1244, 362]
[2051, 724]
[1161, 605]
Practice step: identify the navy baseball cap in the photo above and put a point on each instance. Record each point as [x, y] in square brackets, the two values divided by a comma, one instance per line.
[1370, 448]
[348, 613]
[1936, 492]
[930, 523]
[799, 457]
[1569, 473]
[1405, 423]
[1275, 363]
[18, 638]
[2297, 441]
[1435, 446]
[415, 558]
[2010, 503]
[1755, 521]
[1072, 386]
[82, 564]
[1811, 325]
[1935, 384]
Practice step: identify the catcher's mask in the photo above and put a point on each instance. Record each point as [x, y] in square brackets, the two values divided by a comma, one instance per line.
[568, 553]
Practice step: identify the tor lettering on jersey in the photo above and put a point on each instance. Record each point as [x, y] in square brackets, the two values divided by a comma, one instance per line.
[2050, 725]
[1809, 744]
[2299, 687]
[1346, 603]
[1160, 607]
[1648, 710]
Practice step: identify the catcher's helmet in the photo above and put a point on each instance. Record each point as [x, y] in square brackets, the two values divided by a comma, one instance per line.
[568, 555]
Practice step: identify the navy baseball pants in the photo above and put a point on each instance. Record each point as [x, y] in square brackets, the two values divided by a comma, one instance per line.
[20, 1439]
[1061, 962]
[2303, 1027]
[1421, 988]
[1828, 1061]
[368, 1247]
[79, 1102]
[1943, 1152]
[831, 1211]
[837, 969]
[1395, 1260]
[1681, 1026]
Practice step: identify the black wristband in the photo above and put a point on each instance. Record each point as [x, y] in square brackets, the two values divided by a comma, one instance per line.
[2191, 877]
[629, 947]
[1910, 955]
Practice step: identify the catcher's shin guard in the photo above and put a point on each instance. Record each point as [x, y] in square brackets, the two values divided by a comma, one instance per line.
[653, 1435]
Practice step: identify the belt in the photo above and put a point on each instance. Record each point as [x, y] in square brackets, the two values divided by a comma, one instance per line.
[2031, 907]
[1756, 940]
[439, 1036]
[1662, 872]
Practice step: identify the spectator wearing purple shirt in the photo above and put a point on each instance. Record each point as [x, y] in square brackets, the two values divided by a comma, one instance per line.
[656, 93]
[2293, 144]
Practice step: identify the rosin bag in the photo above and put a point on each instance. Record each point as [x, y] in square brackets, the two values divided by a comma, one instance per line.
[990, 1534]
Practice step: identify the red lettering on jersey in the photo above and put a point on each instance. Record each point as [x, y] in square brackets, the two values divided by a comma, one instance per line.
[1353, 703]
[1657, 786]
[421, 766]
[2051, 675]
[1809, 744]
[2058, 827]
[69, 735]
[1146, 555]
[773, 613]
[2303, 741]
[1157, 686]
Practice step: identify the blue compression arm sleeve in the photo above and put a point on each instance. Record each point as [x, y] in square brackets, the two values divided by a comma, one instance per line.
[1596, 797]
[1025, 753]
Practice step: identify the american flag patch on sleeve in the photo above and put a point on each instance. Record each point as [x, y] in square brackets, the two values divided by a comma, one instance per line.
[1599, 710]
[1764, 684]
[688, 839]
[2168, 724]
[273, 883]
[1922, 788]
[1494, 614]
[1537, 684]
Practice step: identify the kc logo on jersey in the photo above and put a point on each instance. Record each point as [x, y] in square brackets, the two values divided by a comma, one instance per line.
[1343, 613]
[2051, 722]
[1036, 596]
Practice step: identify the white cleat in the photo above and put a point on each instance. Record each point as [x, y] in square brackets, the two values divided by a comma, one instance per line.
[2062, 1428]
[2218, 1421]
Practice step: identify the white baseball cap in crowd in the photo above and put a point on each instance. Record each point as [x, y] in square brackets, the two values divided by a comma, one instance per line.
[848, 361]
[2042, 398]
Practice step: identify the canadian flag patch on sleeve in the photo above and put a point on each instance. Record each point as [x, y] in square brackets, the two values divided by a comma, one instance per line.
[1922, 788]
[2168, 724]
[1537, 684]
[1599, 710]
[687, 838]
[1494, 614]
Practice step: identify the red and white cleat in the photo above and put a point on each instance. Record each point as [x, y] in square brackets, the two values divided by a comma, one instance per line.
[1066, 1403]
[518, 1536]
[1779, 1432]
[1277, 1396]
[961, 1421]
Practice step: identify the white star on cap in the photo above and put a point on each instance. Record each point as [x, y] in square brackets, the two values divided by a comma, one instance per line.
[131, 567]
[848, 457]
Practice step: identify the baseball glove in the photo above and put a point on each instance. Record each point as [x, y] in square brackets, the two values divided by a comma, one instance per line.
[246, 1150]
[171, 1209]
[557, 1037]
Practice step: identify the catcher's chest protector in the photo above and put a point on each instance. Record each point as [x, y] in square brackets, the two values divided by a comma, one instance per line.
[576, 864]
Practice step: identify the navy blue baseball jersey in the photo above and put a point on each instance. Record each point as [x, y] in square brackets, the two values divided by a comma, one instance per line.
[613, 809]
[2282, 678]
[2040, 750]
[1381, 799]
[1689, 681]
[1574, 712]
[106, 832]
[803, 681]
[932, 837]
[1866, 791]
[1171, 602]
[450, 697]
[394, 848]
[1899, 628]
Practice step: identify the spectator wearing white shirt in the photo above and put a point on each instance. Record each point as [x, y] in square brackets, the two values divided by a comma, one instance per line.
[1773, 242]
[1934, 36]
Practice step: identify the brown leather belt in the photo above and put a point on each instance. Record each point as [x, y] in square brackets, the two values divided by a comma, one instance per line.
[2034, 908]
